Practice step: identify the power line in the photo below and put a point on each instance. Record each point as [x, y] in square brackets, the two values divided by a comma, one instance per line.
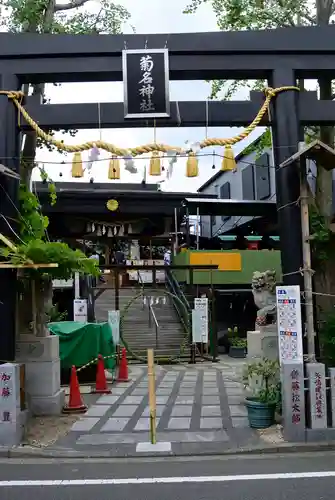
[148, 158]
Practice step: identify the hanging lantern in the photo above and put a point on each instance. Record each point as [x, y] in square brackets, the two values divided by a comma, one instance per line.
[228, 162]
[192, 168]
[109, 233]
[114, 169]
[121, 231]
[77, 166]
[155, 164]
[99, 232]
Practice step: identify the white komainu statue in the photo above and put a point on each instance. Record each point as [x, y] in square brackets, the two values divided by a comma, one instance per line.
[263, 287]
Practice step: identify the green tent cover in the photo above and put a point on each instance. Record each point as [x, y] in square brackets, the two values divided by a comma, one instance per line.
[79, 343]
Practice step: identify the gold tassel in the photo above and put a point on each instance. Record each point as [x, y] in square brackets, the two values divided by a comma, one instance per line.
[77, 166]
[228, 162]
[192, 168]
[114, 169]
[155, 164]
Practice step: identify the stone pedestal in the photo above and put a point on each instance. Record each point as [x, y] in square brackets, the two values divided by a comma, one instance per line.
[263, 343]
[12, 418]
[42, 366]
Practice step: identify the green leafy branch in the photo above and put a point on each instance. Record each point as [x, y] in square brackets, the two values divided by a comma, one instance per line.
[35, 249]
[33, 223]
[322, 239]
[42, 252]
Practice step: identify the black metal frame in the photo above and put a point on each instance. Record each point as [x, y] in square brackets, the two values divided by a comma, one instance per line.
[279, 56]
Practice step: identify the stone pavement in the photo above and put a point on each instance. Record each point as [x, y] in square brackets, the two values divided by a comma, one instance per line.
[199, 410]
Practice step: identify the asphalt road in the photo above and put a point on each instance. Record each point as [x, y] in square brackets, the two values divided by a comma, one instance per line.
[268, 477]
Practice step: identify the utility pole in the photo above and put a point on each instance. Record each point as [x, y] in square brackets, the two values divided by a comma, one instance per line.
[307, 261]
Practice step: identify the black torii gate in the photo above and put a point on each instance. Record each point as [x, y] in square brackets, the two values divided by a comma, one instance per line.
[279, 56]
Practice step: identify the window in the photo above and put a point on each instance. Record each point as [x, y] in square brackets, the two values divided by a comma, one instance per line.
[225, 195]
[213, 220]
[248, 183]
[263, 186]
[225, 191]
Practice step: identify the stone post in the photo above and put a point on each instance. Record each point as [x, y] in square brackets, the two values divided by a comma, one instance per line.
[41, 358]
[263, 343]
[317, 395]
[293, 399]
[12, 419]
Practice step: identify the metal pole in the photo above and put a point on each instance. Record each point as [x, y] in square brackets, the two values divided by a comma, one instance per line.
[214, 337]
[188, 229]
[198, 227]
[152, 395]
[76, 286]
[117, 289]
[176, 231]
[307, 269]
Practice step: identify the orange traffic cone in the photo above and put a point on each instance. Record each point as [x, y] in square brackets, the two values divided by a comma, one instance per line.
[76, 403]
[123, 367]
[101, 386]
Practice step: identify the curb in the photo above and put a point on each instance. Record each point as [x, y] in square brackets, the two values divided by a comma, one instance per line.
[286, 448]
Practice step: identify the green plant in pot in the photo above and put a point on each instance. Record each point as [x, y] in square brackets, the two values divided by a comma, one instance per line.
[262, 379]
[238, 347]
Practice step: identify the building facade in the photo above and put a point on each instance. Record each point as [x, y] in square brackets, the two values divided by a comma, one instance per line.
[254, 179]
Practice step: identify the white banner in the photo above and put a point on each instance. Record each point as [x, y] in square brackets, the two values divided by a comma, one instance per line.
[196, 326]
[201, 305]
[114, 322]
[80, 310]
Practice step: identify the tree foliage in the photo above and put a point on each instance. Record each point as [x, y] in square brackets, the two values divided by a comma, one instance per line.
[50, 16]
[239, 15]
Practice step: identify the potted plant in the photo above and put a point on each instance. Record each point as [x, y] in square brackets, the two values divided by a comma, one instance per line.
[237, 347]
[263, 381]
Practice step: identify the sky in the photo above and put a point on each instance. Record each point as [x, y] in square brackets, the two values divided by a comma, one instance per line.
[162, 17]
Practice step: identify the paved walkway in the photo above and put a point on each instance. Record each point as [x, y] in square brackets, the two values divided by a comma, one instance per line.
[199, 409]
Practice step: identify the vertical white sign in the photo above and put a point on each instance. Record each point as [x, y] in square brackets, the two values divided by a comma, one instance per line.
[289, 323]
[201, 304]
[80, 310]
[196, 326]
[114, 322]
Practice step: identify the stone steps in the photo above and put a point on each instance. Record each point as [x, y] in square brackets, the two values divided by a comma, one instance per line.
[135, 324]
